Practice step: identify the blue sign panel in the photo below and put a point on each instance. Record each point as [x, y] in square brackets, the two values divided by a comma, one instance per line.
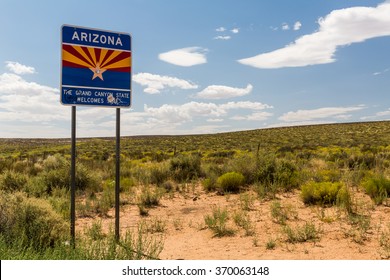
[96, 67]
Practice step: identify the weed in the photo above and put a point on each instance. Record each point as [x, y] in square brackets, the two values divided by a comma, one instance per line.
[307, 232]
[131, 246]
[326, 218]
[178, 224]
[360, 226]
[265, 191]
[278, 213]
[143, 211]
[105, 202]
[242, 219]
[255, 241]
[247, 201]
[217, 222]
[95, 231]
[168, 186]
[156, 225]
[271, 244]
[149, 197]
[384, 242]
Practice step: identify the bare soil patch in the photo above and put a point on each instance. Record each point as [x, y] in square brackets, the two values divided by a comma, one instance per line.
[186, 236]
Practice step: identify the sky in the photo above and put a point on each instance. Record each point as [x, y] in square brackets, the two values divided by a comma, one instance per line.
[202, 66]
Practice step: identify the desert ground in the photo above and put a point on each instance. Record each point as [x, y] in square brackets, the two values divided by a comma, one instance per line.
[180, 221]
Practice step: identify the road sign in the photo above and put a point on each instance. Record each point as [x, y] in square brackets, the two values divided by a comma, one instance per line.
[96, 67]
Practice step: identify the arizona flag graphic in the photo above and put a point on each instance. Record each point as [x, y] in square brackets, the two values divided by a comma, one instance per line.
[96, 67]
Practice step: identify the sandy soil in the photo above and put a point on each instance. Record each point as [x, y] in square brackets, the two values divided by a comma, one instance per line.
[186, 235]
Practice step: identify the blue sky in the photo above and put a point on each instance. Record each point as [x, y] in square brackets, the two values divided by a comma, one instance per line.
[202, 66]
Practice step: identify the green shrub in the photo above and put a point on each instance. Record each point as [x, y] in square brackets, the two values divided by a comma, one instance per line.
[159, 174]
[327, 175]
[186, 168]
[378, 188]
[12, 181]
[30, 221]
[246, 165]
[231, 182]
[56, 174]
[36, 187]
[323, 193]
[286, 175]
[210, 184]
[266, 169]
[344, 199]
[281, 173]
[59, 200]
[150, 198]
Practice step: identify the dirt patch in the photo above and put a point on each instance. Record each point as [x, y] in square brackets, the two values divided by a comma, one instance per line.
[336, 235]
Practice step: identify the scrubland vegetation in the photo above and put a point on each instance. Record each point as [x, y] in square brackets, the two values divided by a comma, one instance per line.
[330, 166]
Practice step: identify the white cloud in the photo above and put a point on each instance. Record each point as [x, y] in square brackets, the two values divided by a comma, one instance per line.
[223, 92]
[321, 113]
[12, 84]
[256, 116]
[285, 26]
[180, 114]
[235, 30]
[339, 28]
[155, 83]
[220, 29]
[227, 37]
[27, 101]
[29, 109]
[245, 105]
[214, 120]
[379, 115]
[380, 72]
[29, 105]
[185, 57]
[20, 69]
[297, 25]
[290, 124]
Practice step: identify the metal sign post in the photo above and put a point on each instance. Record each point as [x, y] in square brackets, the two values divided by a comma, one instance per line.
[117, 171]
[95, 71]
[73, 180]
